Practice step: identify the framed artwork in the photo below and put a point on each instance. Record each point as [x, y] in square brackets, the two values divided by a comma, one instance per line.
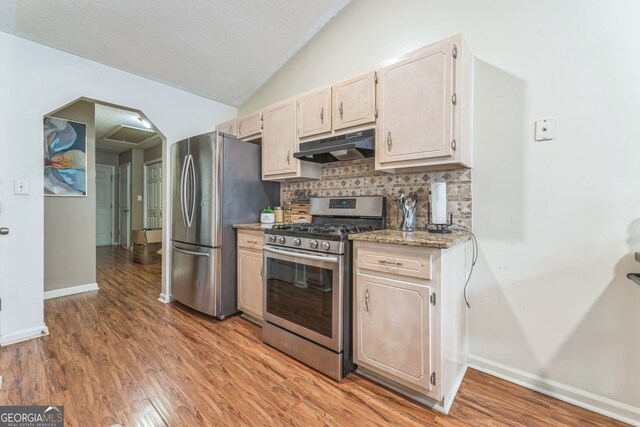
[65, 157]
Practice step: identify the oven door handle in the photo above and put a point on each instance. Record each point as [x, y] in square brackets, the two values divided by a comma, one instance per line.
[331, 259]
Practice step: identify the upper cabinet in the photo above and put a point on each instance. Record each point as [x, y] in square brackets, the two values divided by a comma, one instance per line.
[344, 107]
[424, 102]
[279, 142]
[314, 113]
[249, 127]
[227, 127]
[354, 102]
[420, 105]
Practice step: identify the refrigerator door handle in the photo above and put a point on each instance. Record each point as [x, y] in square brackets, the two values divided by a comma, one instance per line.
[182, 191]
[192, 189]
[184, 251]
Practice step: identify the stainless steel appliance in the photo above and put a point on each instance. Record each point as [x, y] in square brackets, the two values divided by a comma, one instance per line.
[216, 183]
[355, 145]
[307, 282]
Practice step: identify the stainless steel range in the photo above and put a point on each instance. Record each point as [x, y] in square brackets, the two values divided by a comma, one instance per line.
[308, 282]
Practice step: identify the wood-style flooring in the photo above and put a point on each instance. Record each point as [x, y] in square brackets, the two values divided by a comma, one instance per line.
[118, 355]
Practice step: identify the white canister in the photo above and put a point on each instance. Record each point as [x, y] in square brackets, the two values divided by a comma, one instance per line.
[267, 217]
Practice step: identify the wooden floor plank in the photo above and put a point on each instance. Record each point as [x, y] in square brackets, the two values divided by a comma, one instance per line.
[118, 355]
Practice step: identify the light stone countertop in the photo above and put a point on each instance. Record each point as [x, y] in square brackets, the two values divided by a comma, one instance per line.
[413, 238]
[253, 226]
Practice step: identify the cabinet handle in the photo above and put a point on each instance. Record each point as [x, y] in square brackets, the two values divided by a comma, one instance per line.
[289, 157]
[389, 141]
[384, 261]
[253, 242]
[239, 128]
[341, 110]
[261, 271]
[322, 115]
[366, 300]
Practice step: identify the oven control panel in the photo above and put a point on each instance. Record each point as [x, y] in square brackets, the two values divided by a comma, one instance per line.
[342, 203]
[305, 243]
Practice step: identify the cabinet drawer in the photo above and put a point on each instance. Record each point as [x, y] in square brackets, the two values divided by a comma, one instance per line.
[395, 262]
[250, 239]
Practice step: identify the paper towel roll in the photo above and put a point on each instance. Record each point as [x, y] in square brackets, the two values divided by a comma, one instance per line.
[438, 203]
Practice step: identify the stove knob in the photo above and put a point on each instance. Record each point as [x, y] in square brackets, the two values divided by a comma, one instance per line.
[326, 246]
[281, 240]
[297, 242]
[313, 244]
[272, 239]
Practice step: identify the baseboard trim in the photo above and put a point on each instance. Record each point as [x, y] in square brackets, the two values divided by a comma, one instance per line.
[24, 335]
[71, 291]
[165, 299]
[584, 399]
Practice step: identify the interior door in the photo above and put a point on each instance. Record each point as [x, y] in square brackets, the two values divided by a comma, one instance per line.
[153, 195]
[124, 190]
[104, 205]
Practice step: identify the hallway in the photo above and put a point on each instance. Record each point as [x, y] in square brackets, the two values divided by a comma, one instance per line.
[117, 355]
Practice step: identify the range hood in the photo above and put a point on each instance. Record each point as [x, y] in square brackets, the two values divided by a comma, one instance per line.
[352, 146]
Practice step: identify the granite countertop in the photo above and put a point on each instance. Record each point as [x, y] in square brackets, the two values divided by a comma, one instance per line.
[254, 226]
[413, 238]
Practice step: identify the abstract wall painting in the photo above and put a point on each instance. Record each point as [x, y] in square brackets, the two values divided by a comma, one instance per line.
[65, 157]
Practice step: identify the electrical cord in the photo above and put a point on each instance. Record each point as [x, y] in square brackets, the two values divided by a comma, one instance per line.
[474, 257]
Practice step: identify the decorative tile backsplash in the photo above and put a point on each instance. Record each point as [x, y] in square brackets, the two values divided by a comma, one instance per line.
[359, 178]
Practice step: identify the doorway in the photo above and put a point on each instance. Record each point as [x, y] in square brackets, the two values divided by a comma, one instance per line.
[121, 154]
[153, 194]
[105, 204]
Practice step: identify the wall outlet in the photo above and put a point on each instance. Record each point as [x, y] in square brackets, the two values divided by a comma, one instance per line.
[545, 129]
[139, 198]
[20, 186]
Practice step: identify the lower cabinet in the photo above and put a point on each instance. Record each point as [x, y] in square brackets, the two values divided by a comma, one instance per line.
[410, 329]
[392, 341]
[249, 275]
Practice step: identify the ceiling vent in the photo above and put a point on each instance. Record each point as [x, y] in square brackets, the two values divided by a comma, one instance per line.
[130, 134]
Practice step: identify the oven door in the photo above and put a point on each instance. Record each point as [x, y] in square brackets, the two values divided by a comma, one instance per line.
[303, 294]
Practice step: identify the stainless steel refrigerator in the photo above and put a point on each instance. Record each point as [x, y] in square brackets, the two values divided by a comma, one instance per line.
[216, 183]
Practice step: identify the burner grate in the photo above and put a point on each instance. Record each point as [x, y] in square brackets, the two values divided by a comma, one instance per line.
[335, 229]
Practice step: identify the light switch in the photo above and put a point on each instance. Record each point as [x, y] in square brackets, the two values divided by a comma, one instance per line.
[20, 186]
[139, 198]
[545, 129]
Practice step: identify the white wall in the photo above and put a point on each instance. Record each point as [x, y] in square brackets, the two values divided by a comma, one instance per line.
[35, 80]
[558, 221]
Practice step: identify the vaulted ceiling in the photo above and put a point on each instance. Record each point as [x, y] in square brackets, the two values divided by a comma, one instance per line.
[220, 49]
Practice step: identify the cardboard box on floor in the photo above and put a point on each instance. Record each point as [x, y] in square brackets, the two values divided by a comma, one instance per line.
[147, 246]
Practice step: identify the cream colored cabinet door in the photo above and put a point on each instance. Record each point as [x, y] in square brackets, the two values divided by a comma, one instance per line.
[314, 113]
[249, 127]
[250, 282]
[393, 335]
[354, 102]
[416, 108]
[279, 140]
[227, 127]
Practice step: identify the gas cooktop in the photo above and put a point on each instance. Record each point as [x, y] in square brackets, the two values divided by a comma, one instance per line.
[325, 230]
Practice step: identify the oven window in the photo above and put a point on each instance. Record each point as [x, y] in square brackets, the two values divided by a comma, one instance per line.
[301, 294]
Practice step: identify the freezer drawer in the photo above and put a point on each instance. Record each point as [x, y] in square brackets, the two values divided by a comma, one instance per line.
[195, 277]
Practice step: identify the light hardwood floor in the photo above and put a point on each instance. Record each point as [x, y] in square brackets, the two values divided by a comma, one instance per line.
[118, 355]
